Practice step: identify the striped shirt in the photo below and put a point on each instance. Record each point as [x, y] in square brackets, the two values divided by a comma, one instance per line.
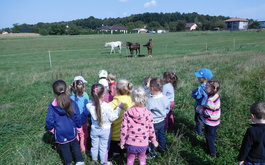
[212, 109]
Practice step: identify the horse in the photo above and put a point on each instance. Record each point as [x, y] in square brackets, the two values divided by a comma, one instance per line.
[133, 46]
[114, 45]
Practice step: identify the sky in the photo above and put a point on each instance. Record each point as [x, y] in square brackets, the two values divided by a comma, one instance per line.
[47, 11]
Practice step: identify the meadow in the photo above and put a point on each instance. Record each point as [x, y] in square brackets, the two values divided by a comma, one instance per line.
[237, 59]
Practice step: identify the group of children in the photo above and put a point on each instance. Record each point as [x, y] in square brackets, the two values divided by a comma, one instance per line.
[133, 119]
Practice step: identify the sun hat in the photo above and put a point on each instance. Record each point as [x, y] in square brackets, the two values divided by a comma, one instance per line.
[204, 72]
[102, 74]
[80, 78]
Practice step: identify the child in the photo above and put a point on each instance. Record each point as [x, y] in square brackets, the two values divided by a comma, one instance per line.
[81, 101]
[171, 80]
[137, 127]
[159, 105]
[211, 113]
[103, 74]
[112, 84]
[84, 81]
[147, 85]
[102, 115]
[123, 89]
[200, 96]
[252, 150]
[63, 117]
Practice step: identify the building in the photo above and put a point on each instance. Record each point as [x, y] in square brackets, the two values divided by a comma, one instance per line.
[114, 28]
[191, 26]
[159, 31]
[262, 24]
[236, 24]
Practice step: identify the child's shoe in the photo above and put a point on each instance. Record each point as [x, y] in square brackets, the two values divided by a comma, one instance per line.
[80, 163]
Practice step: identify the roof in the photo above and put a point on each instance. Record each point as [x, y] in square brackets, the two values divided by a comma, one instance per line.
[189, 25]
[114, 27]
[236, 20]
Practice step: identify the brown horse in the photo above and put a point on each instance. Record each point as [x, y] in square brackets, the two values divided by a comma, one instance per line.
[133, 47]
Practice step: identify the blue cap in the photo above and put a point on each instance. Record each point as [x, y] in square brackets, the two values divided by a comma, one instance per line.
[204, 72]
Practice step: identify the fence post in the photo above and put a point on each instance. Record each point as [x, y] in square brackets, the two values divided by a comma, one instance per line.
[234, 43]
[50, 59]
[206, 46]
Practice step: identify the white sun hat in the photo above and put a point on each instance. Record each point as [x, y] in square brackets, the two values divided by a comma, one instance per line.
[80, 78]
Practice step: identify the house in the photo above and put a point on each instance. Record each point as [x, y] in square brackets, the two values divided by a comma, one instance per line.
[236, 24]
[191, 26]
[140, 30]
[262, 24]
[114, 28]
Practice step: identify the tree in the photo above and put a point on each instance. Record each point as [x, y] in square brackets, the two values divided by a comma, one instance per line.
[172, 26]
[254, 25]
[57, 29]
[181, 25]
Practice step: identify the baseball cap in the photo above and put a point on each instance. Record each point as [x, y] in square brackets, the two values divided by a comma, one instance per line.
[102, 73]
[80, 78]
[204, 72]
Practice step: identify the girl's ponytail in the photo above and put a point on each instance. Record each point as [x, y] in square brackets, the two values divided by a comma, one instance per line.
[97, 91]
[64, 101]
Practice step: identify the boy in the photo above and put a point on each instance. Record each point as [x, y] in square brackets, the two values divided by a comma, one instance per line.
[252, 150]
[200, 96]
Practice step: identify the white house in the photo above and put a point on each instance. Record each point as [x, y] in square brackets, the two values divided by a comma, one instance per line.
[191, 26]
[159, 31]
[236, 24]
[114, 28]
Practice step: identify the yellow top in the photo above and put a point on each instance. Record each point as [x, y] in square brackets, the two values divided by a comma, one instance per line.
[116, 125]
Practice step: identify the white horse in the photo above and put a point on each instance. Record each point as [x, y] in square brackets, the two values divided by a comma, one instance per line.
[114, 45]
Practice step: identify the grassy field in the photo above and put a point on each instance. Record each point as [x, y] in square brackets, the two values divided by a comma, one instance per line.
[237, 59]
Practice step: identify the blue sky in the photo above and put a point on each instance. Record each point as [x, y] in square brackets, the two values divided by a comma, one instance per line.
[34, 11]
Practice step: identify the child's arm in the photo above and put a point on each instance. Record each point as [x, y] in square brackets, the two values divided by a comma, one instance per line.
[246, 145]
[124, 128]
[114, 114]
[151, 130]
[50, 118]
[76, 116]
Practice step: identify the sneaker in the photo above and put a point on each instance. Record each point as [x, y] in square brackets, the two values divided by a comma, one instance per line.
[108, 163]
[80, 163]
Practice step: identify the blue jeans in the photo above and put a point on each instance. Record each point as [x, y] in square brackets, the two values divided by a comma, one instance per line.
[210, 134]
[198, 121]
[100, 143]
[70, 150]
[160, 134]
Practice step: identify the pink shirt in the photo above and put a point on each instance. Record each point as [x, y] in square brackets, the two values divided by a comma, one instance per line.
[137, 127]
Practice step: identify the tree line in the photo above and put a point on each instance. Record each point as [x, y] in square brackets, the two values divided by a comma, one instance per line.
[168, 21]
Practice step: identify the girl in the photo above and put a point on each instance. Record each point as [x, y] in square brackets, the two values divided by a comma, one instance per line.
[211, 114]
[112, 84]
[170, 85]
[159, 105]
[81, 101]
[63, 117]
[137, 127]
[102, 115]
[123, 90]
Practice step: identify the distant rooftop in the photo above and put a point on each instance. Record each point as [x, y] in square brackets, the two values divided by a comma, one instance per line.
[236, 20]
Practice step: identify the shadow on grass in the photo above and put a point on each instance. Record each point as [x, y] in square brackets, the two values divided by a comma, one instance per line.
[139, 55]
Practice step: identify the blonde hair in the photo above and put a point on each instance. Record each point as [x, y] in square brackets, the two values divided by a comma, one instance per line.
[139, 95]
[124, 87]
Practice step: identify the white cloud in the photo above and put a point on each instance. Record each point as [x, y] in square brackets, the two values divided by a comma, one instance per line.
[123, 0]
[150, 3]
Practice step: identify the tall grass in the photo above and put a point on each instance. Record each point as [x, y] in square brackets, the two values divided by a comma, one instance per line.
[26, 80]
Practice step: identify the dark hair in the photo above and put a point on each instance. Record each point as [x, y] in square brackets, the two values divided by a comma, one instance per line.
[156, 83]
[97, 91]
[78, 87]
[64, 101]
[258, 110]
[215, 85]
[147, 79]
[171, 77]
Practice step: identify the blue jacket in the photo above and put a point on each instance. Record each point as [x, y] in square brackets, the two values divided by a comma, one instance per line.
[81, 103]
[200, 95]
[64, 126]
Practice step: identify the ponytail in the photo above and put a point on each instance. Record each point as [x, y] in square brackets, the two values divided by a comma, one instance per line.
[64, 101]
[97, 91]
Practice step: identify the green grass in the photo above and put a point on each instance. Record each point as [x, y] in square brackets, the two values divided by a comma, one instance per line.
[26, 79]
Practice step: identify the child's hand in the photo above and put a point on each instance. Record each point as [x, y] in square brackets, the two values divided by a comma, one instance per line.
[122, 147]
[199, 109]
[155, 144]
[121, 105]
[241, 163]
